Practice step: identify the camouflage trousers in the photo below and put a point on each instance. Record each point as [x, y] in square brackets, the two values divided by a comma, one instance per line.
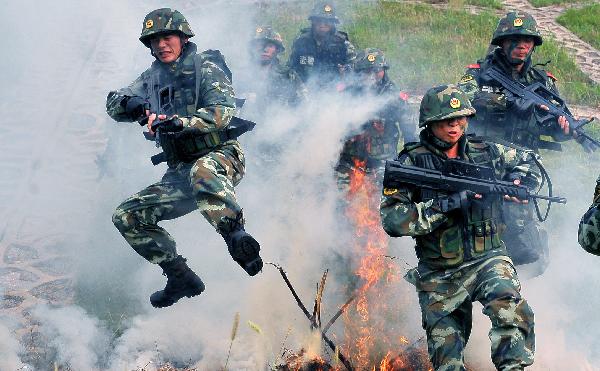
[526, 241]
[206, 184]
[446, 299]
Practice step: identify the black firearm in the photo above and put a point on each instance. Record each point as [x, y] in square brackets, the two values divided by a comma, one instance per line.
[538, 94]
[457, 176]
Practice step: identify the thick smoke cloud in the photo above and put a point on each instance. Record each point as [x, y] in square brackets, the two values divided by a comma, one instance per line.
[70, 165]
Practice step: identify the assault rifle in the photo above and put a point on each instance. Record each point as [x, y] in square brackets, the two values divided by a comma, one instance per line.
[539, 94]
[457, 176]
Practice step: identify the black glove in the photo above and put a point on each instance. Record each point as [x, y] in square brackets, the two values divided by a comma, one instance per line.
[172, 125]
[454, 201]
[135, 107]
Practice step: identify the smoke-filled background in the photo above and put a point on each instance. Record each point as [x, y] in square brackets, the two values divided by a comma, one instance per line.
[66, 165]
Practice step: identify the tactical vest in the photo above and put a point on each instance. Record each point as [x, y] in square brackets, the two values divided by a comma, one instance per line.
[188, 145]
[462, 237]
[321, 58]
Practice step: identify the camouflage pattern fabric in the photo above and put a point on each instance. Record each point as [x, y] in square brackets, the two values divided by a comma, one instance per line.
[267, 33]
[370, 59]
[324, 10]
[324, 60]
[379, 138]
[162, 21]
[589, 226]
[206, 185]
[203, 99]
[516, 23]
[446, 298]
[444, 102]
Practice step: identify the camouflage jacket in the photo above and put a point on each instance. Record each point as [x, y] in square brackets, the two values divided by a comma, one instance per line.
[202, 97]
[500, 118]
[589, 226]
[378, 138]
[310, 57]
[445, 240]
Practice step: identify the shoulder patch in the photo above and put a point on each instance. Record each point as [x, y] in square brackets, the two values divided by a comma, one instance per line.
[403, 96]
[466, 78]
[551, 76]
[474, 65]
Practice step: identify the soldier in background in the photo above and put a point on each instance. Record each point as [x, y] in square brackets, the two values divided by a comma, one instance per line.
[321, 52]
[589, 226]
[266, 81]
[378, 138]
[503, 118]
[205, 161]
[462, 258]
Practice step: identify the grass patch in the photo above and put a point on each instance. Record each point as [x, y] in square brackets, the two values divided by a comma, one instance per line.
[584, 22]
[542, 3]
[426, 46]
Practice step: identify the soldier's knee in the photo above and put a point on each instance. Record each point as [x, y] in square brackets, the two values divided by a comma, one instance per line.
[511, 312]
[122, 219]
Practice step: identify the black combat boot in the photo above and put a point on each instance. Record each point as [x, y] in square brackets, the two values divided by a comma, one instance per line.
[181, 281]
[242, 247]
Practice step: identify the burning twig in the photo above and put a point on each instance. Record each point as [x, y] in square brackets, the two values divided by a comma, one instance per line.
[313, 324]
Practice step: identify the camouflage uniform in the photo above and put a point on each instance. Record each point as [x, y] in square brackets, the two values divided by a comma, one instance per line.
[462, 260]
[323, 59]
[204, 166]
[378, 138]
[589, 226]
[272, 83]
[500, 118]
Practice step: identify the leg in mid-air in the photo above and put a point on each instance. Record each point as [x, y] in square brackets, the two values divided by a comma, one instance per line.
[212, 179]
[137, 219]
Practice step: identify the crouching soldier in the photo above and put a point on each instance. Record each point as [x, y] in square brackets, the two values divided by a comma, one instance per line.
[205, 159]
[461, 256]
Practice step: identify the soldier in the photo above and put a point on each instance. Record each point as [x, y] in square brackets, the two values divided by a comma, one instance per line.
[205, 163]
[461, 256]
[378, 138]
[270, 81]
[503, 118]
[322, 50]
[589, 226]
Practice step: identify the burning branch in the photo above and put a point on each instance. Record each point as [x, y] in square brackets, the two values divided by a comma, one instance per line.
[313, 323]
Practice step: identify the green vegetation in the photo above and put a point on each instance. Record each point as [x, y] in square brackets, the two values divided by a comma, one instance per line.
[426, 46]
[584, 22]
[542, 3]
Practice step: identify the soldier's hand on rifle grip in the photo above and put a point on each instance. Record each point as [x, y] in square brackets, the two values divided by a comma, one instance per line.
[514, 199]
[151, 119]
[562, 120]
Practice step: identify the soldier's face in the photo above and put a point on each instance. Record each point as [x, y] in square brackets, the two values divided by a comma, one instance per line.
[518, 49]
[322, 26]
[266, 51]
[167, 48]
[372, 77]
[449, 130]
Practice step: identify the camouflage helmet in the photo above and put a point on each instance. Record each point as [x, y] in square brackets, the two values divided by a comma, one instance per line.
[444, 102]
[370, 58]
[324, 10]
[266, 33]
[164, 20]
[516, 24]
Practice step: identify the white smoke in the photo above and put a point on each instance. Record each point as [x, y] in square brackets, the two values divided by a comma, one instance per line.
[70, 166]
